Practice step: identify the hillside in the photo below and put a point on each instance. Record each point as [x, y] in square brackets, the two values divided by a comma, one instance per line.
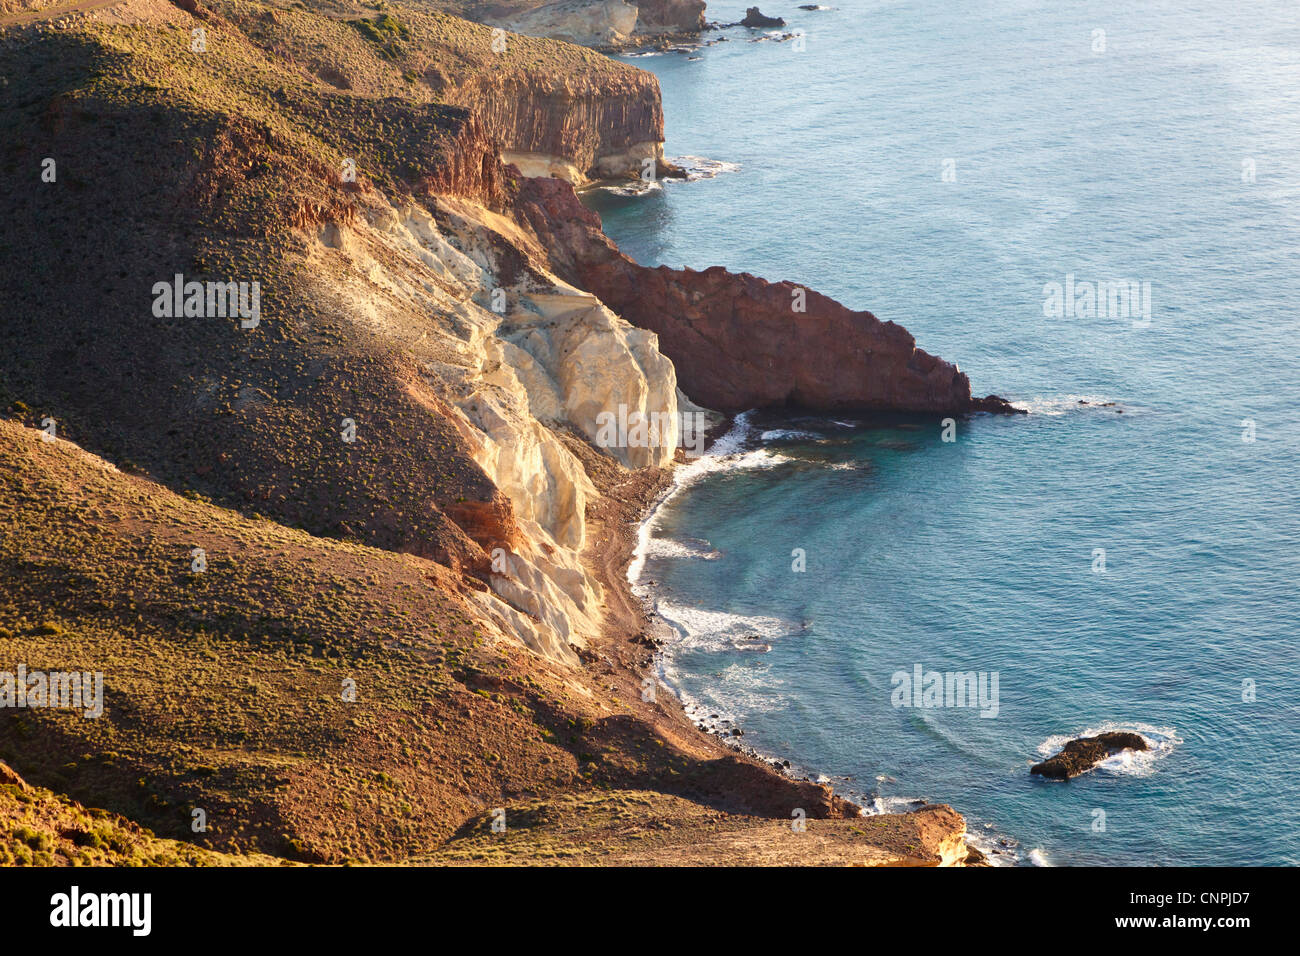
[388, 464]
[224, 692]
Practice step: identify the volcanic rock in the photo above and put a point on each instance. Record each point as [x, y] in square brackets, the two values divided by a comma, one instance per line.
[755, 18]
[1084, 753]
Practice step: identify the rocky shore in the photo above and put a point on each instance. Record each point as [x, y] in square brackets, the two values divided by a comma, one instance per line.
[413, 549]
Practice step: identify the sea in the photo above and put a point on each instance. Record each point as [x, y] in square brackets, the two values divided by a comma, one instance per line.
[1127, 554]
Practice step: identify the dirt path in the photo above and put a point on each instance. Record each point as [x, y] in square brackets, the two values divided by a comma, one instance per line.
[53, 13]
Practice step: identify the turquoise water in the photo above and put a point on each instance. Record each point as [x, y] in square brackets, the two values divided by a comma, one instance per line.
[979, 554]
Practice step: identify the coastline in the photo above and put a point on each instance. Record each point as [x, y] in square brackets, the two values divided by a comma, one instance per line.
[455, 567]
[724, 440]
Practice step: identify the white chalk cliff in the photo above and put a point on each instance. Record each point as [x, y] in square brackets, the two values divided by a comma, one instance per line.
[515, 362]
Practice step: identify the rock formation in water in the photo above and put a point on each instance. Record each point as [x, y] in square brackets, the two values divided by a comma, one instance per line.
[755, 18]
[1084, 753]
[740, 342]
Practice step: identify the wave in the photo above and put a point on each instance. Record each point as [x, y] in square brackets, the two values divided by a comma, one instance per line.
[698, 167]
[696, 548]
[701, 629]
[1136, 763]
[634, 187]
[1038, 857]
[998, 851]
[1055, 406]
[724, 453]
[881, 805]
[788, 434]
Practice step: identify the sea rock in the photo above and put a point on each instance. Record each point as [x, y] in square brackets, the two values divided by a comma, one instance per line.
[1084, 753]
[755, 18]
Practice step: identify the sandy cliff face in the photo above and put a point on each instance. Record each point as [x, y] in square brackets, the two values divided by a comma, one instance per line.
[588, 22]
[514, 354]
[596, 23]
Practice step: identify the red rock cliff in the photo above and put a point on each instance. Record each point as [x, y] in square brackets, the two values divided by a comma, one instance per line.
[737, 341]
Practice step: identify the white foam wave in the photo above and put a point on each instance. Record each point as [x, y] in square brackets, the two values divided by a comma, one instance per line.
[673, 548]
[697, 167]
[881, 805]
[719, 631]
[726, 452]
[787, 434]
[634, 187]
[997, 851]
[1056, 405]
[1038, 857]
[1137, 763]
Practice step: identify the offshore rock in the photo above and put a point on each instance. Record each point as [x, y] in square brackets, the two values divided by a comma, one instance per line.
[1084, 753]
[755, 18]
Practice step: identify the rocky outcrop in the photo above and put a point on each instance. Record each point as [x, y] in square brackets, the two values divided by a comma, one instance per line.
[755, 18]
[738, 341]
[941, 836]
[9, 778]
[1084, 753]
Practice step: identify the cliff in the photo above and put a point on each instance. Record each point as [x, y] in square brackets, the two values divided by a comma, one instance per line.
[391, 473]
[741, 342]
[602, 23]
[555, 108]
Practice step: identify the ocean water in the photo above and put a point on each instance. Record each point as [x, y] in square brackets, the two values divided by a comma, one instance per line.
[1167, 157]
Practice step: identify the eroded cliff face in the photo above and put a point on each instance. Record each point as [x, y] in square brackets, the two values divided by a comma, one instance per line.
[575, 127]
[511, 354]
[604, 24]
[740, 342]
[556, 108]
